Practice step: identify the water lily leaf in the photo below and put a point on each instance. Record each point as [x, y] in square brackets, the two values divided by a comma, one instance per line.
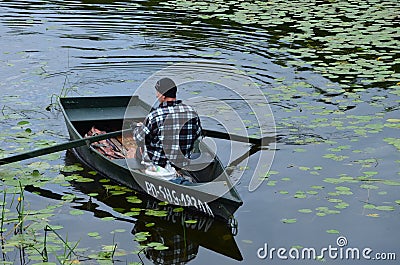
[391, 182]
[117, 192]
[76, 212]
[342, 188]
[335, 200]
[177, 210]
[108, 218]
[39, 165]
[93, 234]
[22, 123]
[159, 213]
[289, 221]
[84, 180]
[317, 187]
[72, 168]
[393, 120]
[342, 205]
[385, 208]
[369, 206]
[133, 213]
[133, 199]
[369, 187]
[332, 231]
[305, 211]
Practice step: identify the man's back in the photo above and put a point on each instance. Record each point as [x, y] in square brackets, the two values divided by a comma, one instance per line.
[169, 133]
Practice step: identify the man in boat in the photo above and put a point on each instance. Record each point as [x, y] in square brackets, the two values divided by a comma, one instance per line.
[168, 133]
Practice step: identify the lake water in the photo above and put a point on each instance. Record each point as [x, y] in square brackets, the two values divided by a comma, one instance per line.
[330, 73]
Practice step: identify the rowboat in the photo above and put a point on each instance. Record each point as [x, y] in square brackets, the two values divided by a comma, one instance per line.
[212, 193]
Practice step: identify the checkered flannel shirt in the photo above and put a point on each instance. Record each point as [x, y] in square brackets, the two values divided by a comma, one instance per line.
[168, 133]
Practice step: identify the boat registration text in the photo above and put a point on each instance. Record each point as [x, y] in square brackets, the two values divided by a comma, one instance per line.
[171, 196]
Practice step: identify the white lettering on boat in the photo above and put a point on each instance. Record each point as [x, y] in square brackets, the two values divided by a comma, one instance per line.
[172, 196]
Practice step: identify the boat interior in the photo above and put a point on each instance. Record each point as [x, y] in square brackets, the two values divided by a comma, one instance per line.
[112, 114]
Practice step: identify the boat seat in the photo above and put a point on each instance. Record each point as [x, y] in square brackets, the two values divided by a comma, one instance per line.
[110, 113]
[133, 163]
[199, 162]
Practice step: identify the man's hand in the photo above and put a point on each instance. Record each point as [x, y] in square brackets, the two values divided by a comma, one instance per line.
[136, 124]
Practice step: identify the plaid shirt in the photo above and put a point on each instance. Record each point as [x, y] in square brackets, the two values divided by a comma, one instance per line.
[168, 133]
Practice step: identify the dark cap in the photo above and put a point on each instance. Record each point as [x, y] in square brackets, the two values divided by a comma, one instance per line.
[166, 87]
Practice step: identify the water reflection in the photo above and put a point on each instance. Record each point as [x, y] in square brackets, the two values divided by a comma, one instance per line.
[183, 239]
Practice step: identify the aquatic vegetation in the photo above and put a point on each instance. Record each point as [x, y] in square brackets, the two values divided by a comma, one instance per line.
[338, 156]
[353, 43]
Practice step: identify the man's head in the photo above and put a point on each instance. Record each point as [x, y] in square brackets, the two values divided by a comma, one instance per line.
[166, 87]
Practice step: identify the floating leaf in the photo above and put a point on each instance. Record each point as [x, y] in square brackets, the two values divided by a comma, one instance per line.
[84, 180]
[191, 221]
[72, 168]
[391, 182]
[385, 208]
[305, 211]
[300, 195]
[133, 199]
[108, 218]
[158, 213]
[93, 234]
[332, 231]
[289, 221]
[317, 187]
[22, 123]
[178, 210]
[76, 212]
[157, 246]
[342, 205]
[369, 187]
[335, 200]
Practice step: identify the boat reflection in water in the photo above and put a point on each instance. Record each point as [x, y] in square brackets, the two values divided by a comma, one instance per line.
[183, 239]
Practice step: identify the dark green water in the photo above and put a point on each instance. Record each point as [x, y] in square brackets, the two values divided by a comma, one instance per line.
[330, 72]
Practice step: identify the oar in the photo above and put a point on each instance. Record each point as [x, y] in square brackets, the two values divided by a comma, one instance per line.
[61, 147]
[88, 140]
[263, 141]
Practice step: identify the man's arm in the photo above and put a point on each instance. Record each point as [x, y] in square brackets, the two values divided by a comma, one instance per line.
[139, 133]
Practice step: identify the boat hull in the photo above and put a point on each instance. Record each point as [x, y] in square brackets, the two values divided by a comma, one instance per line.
[216, 199]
